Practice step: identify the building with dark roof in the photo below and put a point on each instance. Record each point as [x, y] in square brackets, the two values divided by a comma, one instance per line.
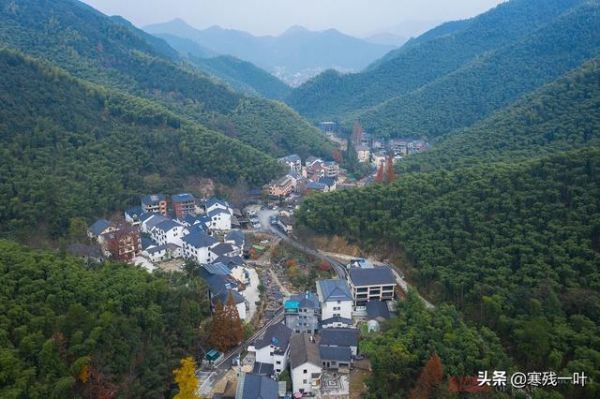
[340, 337]
[133, 215]
[273, 347]
[305, 364]
[377, 310]
[336, 322]
[373, 284]
[335, 357]
[335, 298]
[265, 369]
[99, 227]
[196, 246]
[154, 203]
[183, 204]
[302, 312]
[236, 237]
[256, 386]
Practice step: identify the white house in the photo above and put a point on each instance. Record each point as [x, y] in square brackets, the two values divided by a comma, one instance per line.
[215, 203]
[274, 347]
[168, 232]
[220, 219]
[156, 253]
[305, 364]
[335, 298]
[149, 220]
[196, 246]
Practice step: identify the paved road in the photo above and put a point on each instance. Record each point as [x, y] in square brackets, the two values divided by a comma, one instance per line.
[338, 266]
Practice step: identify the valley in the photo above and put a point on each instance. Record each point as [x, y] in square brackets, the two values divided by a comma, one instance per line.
[213, 213]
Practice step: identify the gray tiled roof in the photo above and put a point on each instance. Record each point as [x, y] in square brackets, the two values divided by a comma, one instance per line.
[333, 290]
[307, 300]
[183, 197]
[337, 319]
[199, 239]
[377, 309]
[339, 337]
[223, 296]
[167, 225]
[222, 249]
[263, 368]
[302, 350]
[255, 386]
[99, 226]
[376, 276]
[153, 199]
[337, 353]
[236, 236]
[277, 335]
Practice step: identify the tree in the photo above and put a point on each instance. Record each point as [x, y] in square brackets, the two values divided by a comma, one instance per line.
[389, 170]
[78, 229]
[218, 331]
[185, 377]
[379, 177]
[235, 330]
[429, 379]
[357, 133]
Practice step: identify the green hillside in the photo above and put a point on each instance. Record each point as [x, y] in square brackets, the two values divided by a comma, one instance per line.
[516, 247]
[493, 81]
[72, 149]
[413, 66]
[109, 52]
[559, 116]
[68, 331]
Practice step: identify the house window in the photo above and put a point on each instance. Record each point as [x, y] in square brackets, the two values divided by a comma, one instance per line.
[305, 371]
[304, 381]
[278, 362]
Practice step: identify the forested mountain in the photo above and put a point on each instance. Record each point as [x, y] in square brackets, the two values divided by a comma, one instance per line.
[297, 50]
[241, 75]
[332, 95]
[68, 148]
[559, 116]
[114, 330]
[515, 247]
[109, 52]
[492, 81]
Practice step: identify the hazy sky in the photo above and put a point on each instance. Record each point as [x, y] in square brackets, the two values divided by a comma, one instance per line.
[357, 17]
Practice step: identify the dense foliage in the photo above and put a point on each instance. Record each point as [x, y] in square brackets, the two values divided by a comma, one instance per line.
[71, 149]
[492, 81]
[108, 331]
[516, 247]
[409, 340]
[332, 95]
[559, 116]
[110, 52]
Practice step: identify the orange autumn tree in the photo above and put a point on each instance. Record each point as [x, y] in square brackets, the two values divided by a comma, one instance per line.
[429, 380]
[389, 170]
[379, 176]
[218, 328]
[235, 331]
[185, 377]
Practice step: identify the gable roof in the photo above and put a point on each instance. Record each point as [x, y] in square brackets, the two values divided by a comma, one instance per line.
[153, 198]
[336, 319]
[328, 181]
[222, 249]
[339, 337]
[167, 225]
[230, 261]
[333, 290]
[155, 249]
[237, 236]
[99, 226]
[336, 353]
[223, 296]
[154, 220]
[134, 211]
[377, 309]
[302, 350]
[375, 276]
[197, 238]
[277, 335]
[217, 211]
[290, 158]
[216, 201]
[217, 268]
[183, 197]
[315, 186]
[255, 386]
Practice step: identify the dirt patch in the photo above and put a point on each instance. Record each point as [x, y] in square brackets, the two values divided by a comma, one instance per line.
[358, 378]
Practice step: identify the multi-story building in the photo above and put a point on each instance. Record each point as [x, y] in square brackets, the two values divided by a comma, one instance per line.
[305, 364]
[168, 232]
[371, 284]
[155, 203]
[363, 153]
[302, 313]
[274, 347]
[282, 187]
[123, 243]
[336, 301]
[331, 169]
[183, 204]
[196, 246]
[293, 162]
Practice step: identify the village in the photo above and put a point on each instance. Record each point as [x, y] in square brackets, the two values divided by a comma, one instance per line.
[305, 337]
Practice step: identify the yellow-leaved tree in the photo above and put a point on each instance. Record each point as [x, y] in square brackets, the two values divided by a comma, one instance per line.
[185, 377]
